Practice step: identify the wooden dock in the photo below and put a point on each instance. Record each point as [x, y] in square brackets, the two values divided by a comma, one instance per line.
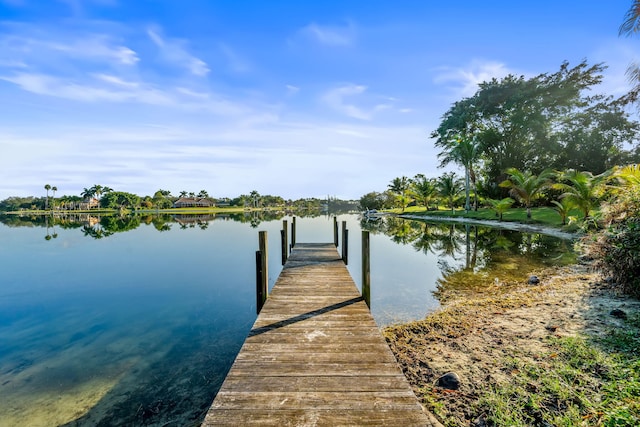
[315, 357]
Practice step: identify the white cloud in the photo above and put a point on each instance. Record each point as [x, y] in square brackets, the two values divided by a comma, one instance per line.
[343, 99]
[465, 80]
[292, 90]
[335, 98]
[331, 35]
[45, 48]
[117, 81]
[108, 88]
[175, 52]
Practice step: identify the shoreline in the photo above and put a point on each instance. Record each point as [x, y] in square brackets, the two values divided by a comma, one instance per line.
[514, 226]
[489, 339]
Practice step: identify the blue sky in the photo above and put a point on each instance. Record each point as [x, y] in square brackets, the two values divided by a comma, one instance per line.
[295, 98]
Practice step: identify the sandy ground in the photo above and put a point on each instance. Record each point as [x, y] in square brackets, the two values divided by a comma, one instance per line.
[472, 337]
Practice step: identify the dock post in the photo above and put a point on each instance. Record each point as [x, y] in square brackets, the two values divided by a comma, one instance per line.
[335, 231]
[284, 238]
[366, 268]
[262, 271]
[293, 231]
[345, 243]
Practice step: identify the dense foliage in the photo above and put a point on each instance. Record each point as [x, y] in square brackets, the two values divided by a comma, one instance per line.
[544, 122]
[617, 247]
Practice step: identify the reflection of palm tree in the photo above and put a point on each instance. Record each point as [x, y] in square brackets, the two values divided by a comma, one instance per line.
[400, 230]
[449, 243]
[425, 242]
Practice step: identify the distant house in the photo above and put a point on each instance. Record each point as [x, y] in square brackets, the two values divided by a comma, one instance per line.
[193, 202]
[90, 203]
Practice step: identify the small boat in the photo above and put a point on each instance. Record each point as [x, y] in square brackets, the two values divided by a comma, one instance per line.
[371, 214]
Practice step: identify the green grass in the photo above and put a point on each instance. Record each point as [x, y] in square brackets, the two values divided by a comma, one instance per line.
[581, 381]
[542, 216]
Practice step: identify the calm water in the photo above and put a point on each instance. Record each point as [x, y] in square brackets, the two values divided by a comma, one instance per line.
[135, 321]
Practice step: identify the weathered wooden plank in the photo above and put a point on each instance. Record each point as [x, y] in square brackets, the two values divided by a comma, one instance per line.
[315, 356]
[319, 400]
[316, 418]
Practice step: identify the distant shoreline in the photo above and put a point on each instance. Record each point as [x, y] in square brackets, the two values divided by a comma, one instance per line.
[515, 226]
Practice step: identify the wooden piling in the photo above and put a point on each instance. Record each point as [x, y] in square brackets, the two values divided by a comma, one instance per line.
[366, 268]
[293, 231]
[335, 231]
[345, 243]
[284, 239]
[262, 271]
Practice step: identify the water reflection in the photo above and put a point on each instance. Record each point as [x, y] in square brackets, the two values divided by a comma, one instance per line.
[473, 258]
[101, 226]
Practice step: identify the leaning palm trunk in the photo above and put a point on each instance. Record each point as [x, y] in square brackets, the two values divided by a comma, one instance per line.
[467, 207]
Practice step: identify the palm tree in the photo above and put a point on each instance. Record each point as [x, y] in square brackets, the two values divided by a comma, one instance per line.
[501, 206]
[255, 197]
[628, 175]
[46, 203]
[54, 189]
[399, 186]
[563, 207]
[629, 27]
[449, 187]
[203, 194]
[465, 152]
[423, 189]
[584, 189]
[525, 186]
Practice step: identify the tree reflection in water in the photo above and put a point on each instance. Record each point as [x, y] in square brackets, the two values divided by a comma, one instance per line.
[475, 258]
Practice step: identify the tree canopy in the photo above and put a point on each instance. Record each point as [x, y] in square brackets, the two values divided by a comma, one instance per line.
[541, 122]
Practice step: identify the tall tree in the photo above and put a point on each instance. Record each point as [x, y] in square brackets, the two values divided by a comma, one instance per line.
[47, 187]
[400, 186]
[254, 196]
[54, 189]
[526, 186]
[423, 189]
[449, 187]
[529, 124]
[465, 152]
[629, 27]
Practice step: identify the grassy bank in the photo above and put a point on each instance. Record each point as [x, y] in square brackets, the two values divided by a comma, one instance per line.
[547, 355]
[541, 216]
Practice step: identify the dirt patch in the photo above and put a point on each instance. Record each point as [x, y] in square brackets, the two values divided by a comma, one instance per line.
[474, 336]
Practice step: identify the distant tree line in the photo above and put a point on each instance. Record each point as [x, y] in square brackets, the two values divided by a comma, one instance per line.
[103, 197]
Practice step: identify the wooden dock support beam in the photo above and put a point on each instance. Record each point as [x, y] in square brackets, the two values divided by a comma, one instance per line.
[262, 271]
[366, 268]
[284, 239]
[293, 231]
[335, 231]
[345, 243]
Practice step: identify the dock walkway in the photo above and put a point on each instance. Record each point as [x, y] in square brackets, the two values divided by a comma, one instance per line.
[315, 357]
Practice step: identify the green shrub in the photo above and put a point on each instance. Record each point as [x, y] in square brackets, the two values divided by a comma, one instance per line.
[617, 247]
